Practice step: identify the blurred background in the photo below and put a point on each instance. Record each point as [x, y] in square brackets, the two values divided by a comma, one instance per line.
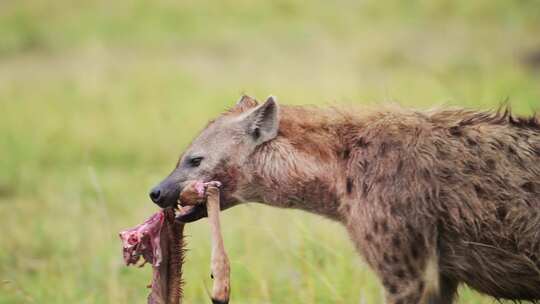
[98, 98]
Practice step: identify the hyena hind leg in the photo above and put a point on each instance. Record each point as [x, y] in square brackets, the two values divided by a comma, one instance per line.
[416, 278]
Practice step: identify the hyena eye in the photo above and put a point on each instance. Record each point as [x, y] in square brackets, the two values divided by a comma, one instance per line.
[195, 161]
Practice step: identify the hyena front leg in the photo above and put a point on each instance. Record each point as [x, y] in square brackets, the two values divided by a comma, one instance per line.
[428, 287]
[405, 259]
[447, 292]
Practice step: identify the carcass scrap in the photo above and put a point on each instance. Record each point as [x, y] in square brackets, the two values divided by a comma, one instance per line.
[160, 242]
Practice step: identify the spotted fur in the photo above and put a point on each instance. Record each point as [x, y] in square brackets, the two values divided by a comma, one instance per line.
[431, 199]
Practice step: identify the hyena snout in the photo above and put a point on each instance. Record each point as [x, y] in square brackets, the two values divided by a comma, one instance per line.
[155, 194]
[166, 193]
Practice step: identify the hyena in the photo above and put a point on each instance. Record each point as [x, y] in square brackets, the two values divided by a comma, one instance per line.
[431, 199]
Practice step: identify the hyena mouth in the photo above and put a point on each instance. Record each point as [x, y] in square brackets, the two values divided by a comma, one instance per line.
[188, 207]
[188, 214]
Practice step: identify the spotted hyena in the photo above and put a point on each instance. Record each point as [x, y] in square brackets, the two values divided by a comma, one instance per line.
[430, 199]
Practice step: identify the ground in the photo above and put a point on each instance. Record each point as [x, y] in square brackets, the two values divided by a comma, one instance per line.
[97, 99]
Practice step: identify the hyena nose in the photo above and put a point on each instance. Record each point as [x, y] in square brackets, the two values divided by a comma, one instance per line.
[155, 194]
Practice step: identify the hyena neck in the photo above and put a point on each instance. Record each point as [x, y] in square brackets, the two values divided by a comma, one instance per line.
[301, 168]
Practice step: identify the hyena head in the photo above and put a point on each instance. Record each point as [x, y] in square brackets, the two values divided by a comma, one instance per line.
[221, 152]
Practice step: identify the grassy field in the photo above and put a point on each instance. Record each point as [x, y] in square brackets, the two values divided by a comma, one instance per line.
[98, 98]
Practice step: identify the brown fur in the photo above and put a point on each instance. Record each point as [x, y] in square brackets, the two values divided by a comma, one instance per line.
[430, 199]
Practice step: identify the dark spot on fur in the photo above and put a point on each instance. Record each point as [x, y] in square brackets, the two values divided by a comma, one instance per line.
[512, 150]
[363, 165]
[410, 229]
[470, 167]
[491, 164]
[410, 269]
[396, 241]
[501, 213]
[365, 188]
[529, 187]
[400, 273]
[386, 258]
[349, 185]
[346, 153]
[399, 301]
[421, 286]
[461, 215]
[376, 227]
[499, 144]
[480, 192]
[362, 143]
[414, 251]
[536, 150]
[471, 142]
[393, 210]
[384, 226]
[392, 289]
[394, 259]
[426, 173]
[399, 166]
[368, 237]
[447, 173]
[383, 148]
[455, 131]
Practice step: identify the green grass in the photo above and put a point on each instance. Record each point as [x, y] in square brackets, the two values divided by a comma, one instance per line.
[98, 98]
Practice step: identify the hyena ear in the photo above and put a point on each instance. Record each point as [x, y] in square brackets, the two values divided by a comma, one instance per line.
[245, 103]
[262, 123]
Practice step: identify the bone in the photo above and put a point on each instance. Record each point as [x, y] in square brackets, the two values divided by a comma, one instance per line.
[197, 192]
[219, 263]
